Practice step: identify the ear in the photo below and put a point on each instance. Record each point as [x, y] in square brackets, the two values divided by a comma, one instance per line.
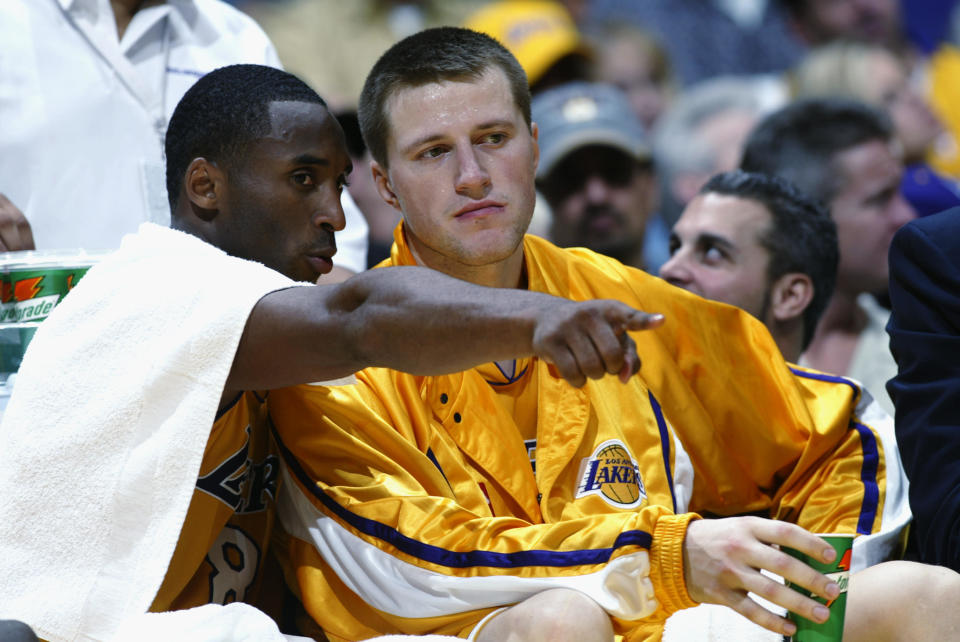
[382, 180]
[204, 184]
[535, 132]
[790, 295]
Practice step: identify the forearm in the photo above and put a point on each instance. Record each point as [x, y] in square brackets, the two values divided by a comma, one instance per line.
[423, 322]
[407, 318]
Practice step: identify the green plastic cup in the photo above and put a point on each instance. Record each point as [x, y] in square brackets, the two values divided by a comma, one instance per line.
[839, 572]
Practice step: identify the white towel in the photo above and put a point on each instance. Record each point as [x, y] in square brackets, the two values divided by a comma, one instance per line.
[713, 623]
[102, 440]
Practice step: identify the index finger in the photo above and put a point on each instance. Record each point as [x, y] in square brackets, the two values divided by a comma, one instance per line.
[639, 320]
[793, 536]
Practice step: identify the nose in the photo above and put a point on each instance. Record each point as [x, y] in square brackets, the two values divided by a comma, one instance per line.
[675, 270]
[597, 189]
[902, 213]
[330, 214]
[472, 178]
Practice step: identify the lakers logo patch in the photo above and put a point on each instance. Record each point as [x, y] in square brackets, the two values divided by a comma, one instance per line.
[612, 473]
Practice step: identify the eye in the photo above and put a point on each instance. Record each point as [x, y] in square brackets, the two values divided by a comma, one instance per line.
[304, 179]
[713, 255]
[495, 138]
[674, 246]
[883, 198]
[432, 152]
[342, 182]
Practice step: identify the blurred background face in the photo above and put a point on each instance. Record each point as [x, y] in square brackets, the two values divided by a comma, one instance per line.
[633, 63]
[601, 199]
[890, 88]
[726, 133]
[876, 21]
[868, 209]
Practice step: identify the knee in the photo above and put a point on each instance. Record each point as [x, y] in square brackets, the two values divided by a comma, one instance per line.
[556, 615]
[903, 601]
[572, 615]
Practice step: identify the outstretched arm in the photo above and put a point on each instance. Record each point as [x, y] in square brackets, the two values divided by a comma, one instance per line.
[420, 321]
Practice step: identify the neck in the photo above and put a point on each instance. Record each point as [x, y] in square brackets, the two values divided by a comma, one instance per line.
[841, 315]
[837, 336]
[123, 11]
[507, 273]
[789, 338]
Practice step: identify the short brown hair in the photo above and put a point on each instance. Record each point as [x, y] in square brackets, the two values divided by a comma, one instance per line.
[433, 55]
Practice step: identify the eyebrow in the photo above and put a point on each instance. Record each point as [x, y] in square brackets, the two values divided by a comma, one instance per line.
[706, 238]
[310, 159]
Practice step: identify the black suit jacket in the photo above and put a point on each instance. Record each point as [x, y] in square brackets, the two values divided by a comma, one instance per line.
[924, 331]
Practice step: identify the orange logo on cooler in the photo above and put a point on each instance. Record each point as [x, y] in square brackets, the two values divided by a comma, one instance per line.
[26, 289]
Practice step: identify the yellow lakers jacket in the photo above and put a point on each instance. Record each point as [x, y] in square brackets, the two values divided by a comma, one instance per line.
[418, 504]
[221, 550]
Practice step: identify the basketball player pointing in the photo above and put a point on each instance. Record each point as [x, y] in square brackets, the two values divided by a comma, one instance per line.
[430, 503]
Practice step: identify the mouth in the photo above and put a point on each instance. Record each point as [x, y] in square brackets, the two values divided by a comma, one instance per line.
[479, 209]
[320, 260]
[602, 225]
[320, 264]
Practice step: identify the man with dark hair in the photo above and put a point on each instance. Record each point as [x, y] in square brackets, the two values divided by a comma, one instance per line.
[842, 153]
[753, 241]
[756, 242]
[140, 505]
[430, 503]
[595, 170]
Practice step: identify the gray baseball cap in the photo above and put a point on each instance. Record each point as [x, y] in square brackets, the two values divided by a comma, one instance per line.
[579, 114]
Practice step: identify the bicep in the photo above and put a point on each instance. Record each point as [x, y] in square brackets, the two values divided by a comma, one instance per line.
[293, 336]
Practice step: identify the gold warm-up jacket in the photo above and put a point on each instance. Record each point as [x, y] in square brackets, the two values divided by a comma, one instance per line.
[412, 505]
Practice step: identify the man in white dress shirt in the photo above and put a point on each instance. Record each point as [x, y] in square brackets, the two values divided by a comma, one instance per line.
[86, 90]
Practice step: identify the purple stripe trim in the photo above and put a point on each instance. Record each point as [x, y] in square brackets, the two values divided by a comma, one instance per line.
[453, 559]
[228, 407]
[868, 474]
[509, 380]
[186, 72]
[818, 376]
[871, 456]
[664, 445]
[432, 457]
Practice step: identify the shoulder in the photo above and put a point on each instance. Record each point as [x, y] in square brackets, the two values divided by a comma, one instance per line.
[939, 231]
[825, 394]
[585, 269]
[927, 250]
[223, 19]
